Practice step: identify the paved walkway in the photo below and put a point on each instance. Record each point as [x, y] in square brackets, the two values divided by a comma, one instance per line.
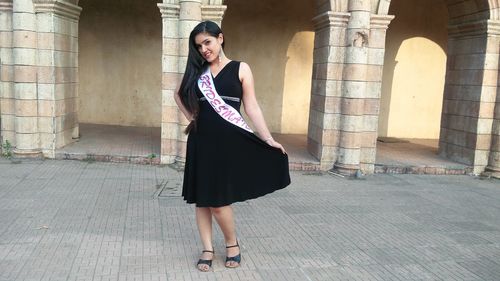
[69, 220]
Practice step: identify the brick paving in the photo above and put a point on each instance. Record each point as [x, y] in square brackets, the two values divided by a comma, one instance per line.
[71, 220]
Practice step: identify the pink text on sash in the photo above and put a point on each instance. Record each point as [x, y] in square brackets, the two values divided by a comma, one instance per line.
[227, 112]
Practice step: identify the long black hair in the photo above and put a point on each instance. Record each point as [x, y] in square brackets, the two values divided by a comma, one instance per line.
[195, 66]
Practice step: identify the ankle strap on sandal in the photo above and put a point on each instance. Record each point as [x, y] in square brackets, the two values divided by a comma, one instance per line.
[208, 251]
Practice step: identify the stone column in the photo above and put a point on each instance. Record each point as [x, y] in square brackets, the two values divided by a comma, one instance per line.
[470, 93]
[213, 10]
[7, 99]
[494, 159]
[487, 104]
[25, 78]
[179, 18]
[170, 127]
[354, 87]
[189, 17]
[376, 53]
[57, 75]
[328, 64]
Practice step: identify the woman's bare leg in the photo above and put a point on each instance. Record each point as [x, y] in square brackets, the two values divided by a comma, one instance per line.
[225, 218]
[204, 222]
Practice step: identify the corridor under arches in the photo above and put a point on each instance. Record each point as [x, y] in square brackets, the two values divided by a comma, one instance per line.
[119, 108]
[280, 53]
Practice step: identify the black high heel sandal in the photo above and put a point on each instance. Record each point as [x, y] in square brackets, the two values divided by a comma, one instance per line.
[236, 258]
[207, 262]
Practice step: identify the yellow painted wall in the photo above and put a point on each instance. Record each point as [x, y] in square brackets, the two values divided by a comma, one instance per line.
[120, 63]
[278, 44]
[297, 89]
[414, 70]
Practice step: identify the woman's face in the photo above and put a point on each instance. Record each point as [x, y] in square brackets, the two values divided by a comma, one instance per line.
[208, 46]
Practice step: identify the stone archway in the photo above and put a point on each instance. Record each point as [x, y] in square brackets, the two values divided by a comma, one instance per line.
[346, 83]
[39, 75]
[469, 126]
[346, 86]
[412, 88]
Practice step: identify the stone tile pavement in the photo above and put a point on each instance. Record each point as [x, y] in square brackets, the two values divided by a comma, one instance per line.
[70, 220]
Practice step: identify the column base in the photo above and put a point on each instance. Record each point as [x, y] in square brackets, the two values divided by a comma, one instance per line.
[180, 162]
[326, 165]
[167, 159]
[492, 172]
[347, 170]
[28, 153]
[175, 162]
[75, 134]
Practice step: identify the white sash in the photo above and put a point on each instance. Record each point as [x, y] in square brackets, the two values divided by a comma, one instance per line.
[227, 112]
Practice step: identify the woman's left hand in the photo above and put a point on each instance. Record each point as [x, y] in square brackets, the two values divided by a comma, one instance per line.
[276, 144]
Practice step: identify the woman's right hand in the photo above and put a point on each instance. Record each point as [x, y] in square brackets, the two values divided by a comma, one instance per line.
[276, 144]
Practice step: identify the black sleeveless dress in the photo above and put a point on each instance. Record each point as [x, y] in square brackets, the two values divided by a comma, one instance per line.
[224, 163]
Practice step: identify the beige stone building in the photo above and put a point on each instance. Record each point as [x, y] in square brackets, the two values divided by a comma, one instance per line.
[341, 72]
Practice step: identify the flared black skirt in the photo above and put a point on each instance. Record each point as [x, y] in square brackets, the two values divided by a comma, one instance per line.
[226, 164]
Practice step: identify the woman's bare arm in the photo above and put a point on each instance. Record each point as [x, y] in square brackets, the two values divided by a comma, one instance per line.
[177, 98]
[252, 108]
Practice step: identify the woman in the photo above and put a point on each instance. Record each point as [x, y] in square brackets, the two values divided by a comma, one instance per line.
[225, 161]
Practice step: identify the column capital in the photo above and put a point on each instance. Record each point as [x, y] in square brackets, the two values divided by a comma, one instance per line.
[212, 2]
[480, 27]
[329, 19]
[5, 5]
[380, 21]
[169, 10]
[213, 12]
[493, 27]
[64, 8]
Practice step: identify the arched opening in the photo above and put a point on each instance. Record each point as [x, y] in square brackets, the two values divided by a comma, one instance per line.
[413, 82]
[296, 89]
[415, 95]
[278, 44]
[120, 49]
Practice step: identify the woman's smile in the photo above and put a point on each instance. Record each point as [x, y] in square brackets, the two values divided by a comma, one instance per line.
[207, 54]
